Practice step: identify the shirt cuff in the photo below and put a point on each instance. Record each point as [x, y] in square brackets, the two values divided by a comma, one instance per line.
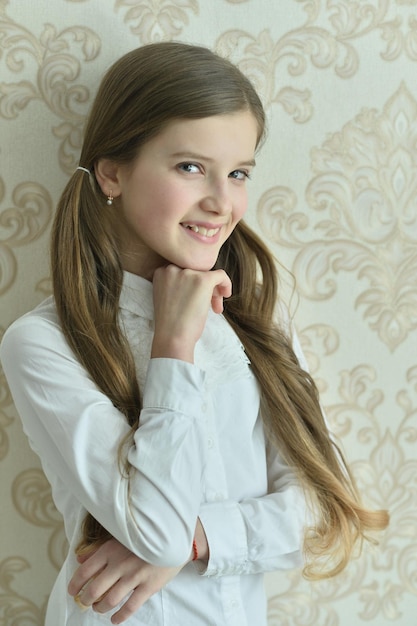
[226, 535]
[175, 385]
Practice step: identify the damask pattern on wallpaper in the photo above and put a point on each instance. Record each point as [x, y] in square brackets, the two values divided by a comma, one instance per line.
[363, 196]
[350, 221]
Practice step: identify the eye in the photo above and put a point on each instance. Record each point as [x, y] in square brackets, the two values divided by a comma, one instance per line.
[190, 168]
[239, 174]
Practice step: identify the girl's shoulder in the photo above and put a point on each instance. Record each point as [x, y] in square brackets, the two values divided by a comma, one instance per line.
[43, 314]
[38, 327]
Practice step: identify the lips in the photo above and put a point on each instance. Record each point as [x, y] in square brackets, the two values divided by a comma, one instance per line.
[202, 230]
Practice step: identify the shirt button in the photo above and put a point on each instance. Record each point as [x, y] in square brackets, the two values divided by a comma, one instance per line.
[210, 442]
[219, 496]
[204, 407]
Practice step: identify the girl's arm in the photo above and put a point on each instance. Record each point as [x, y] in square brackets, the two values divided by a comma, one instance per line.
[111, 574]
[265, 533]
[259, 534]
[76, 431]
[251, 536]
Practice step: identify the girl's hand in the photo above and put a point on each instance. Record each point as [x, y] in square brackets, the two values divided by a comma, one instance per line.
[182, 298]
[110, 573]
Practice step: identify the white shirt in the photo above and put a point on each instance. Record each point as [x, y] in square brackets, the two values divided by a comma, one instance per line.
[199, 451]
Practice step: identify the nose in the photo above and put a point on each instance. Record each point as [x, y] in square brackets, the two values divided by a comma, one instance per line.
[217, 200]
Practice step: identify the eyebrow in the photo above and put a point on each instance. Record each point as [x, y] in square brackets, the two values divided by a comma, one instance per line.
[201, 157]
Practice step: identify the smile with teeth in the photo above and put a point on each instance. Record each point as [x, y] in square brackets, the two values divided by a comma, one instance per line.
[206, 232]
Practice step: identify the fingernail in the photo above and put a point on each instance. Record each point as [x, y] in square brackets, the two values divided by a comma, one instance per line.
[82, 606]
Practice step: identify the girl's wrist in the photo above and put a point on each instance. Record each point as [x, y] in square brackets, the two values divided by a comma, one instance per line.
[200, 548]
[172, 349]
[195, 551]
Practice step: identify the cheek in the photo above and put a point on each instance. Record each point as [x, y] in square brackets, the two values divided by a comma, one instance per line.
[147, 206]
[165, 202]
[241, 206]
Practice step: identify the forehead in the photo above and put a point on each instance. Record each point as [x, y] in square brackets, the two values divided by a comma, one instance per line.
[232, 134]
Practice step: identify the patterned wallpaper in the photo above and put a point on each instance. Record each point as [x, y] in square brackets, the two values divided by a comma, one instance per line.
[335, 196]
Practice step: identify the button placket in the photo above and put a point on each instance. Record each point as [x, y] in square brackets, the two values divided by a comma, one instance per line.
[215, 475]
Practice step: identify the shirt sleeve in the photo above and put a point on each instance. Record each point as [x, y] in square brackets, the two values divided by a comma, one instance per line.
[260, 534]
[76, 431]
[257, 534]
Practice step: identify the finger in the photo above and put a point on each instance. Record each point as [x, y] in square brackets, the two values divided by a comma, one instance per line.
[223, 284]
[82, 558]
[83, 575]
[222, 290]
[115, 595]
[217, 304]
[96, 591]
[106, 589]
[93, 563]
[82, 606]
[138, 597]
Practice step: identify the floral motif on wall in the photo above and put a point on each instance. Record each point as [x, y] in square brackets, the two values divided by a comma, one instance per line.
[389, 475]
[32, 498]
[157, 20]
[317, 341]
[16, 609]
[20, 225]
[57, 66]
[326, 40]
[362, 194]
[386, 476]
[5, 405]
[348, 229]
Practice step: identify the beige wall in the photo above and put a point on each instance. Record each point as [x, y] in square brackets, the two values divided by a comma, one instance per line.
[334, 194]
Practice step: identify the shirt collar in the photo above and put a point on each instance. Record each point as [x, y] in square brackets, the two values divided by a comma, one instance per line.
[137, 295]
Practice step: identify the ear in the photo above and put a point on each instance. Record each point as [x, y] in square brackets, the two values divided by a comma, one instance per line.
[107, 176]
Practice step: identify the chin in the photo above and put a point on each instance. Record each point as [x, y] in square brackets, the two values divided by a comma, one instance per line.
[199, 267]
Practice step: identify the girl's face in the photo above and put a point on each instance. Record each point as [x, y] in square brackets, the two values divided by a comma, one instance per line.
[185, 193]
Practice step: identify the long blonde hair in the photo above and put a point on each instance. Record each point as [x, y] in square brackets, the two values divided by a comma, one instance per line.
[141, 93]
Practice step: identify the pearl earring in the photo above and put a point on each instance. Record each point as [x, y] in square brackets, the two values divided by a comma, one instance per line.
[110, 198]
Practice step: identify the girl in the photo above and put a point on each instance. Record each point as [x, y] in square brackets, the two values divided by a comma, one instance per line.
[186, 448]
